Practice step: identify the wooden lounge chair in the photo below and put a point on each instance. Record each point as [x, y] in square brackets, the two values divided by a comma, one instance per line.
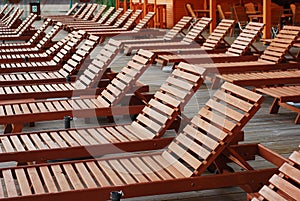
[23, 32]
[162, 110]
[2, 11]
[241, 46]
[14, 21]
[169, 36]
[285, 184]
[137, 31]
[106, 15]
[120, 22]
[193, 34]
[4, 30]
[70, 68]
[6, 16]
[82, 107]
[85, 84]
[179, 168]
[41, 46]
[284, 96]
[39, 34]
[53, 58]
[273, 58]
[127, 26]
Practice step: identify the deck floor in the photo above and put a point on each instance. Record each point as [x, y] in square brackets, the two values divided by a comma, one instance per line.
[277, 132]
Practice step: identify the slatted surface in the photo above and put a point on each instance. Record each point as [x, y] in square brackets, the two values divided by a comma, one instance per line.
[9, 53]
[280, 45]
[106, 15]
[194, 33]
[21, 29]
[286, 184]
[215, 126]
[34, 39]
[6, 28]
[80, 175]
[97, 16]
[89, 14]
[113, 93]
[65, 46]
[284, 93]
[152, 122]
[84, 81]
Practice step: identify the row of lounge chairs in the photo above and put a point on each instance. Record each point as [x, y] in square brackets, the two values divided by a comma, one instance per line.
[208, 139]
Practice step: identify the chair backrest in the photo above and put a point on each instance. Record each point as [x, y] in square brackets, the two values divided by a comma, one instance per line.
[197, 30]
[143, 22]
[280, 45]
[276, 13]
[85, 11]
[161, 111]
[72, 9]
[246, 38]
[12, 17]
[89, 14]
[50, 35]
[130, 22]
[296, 17]
[221, 13]
[114, 17]
[17, 16]
[126, 78]
[38, 34]
[179, 26]
[106, 15]
[123, 18]
[7, 14]
[72, 64]
[99, 13]
[219, 33]
[29, 21]
[80, 9]
[190, 10]
[94, 72]
[215, 126]
[286, 184]
[3, 9]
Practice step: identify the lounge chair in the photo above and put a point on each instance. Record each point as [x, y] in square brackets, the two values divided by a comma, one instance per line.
[53, 58]
[39, 34]
[120, 22]
[79, 14]
[273, 58]
[2, 11]
[285, 184]
[193, 34]
[106, 17]
[179, 168]
[127, 26]
[169, 36]
[85, 84]
[137, 31]
[40, 47]
[70, 68]
[6, 16]
[284, 96]
[13, 22]
[23, 32]
[161, 112]
[82, 107]
[241, 46]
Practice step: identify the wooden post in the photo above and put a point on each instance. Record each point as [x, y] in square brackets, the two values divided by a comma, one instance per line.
[117, 4]
[145, 8]
[125, 5]
[156, 16]
[213, 14]
[267, 18]
[131, 5]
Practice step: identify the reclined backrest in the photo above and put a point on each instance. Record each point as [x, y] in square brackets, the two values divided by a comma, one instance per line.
[280, 45]
[13, 17]
[99, 13]
[85, 11]
[130, 22]
[106, 15]
[90, 12]
[197, 30]
[26, 23]
[179, 26]
[72, 9]
[217, 36]
[3, 9]
[38, 34]
[7, 14]
[143, 22]
[125, 79]
[80, 9]
[49, 36]
[246, 38]
[173, 95]
[209, 132]
[113, 17]
[123, 18]
[94, 72]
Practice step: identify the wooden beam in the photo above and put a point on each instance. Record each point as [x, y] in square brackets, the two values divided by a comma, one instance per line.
[213, 14]
[145, 8]
[267, 18]
[117, 4]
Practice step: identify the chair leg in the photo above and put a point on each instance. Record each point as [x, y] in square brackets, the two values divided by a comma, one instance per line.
[275, 106]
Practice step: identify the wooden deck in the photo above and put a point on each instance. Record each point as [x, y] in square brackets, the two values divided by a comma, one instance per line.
[277, 132]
